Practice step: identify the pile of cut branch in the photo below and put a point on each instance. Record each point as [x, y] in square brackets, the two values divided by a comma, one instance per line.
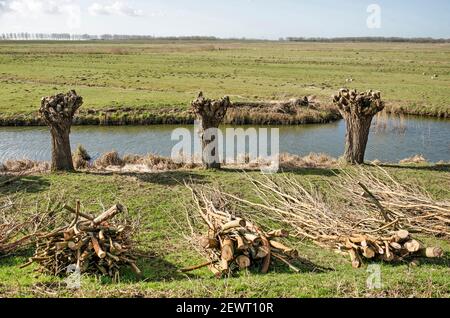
[19, 227]
[94, 245]
[232, 243]
[409, 205]
[362, 234]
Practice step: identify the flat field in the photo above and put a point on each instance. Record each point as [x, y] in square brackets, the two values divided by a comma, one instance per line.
[168, 75]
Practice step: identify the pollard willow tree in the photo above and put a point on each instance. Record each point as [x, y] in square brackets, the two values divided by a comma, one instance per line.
[358, 110]
[211, 114]
[58, 112]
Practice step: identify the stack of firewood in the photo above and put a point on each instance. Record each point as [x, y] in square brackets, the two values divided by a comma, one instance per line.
[93, 244]
[400, 246]
[232, 243]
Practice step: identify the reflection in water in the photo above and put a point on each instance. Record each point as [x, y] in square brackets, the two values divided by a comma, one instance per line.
[391, 139]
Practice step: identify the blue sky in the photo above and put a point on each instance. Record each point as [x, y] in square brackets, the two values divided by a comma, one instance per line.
[267, 19]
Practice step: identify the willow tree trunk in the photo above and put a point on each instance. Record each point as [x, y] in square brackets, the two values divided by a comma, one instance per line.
[58, 112]
[61, 152]
[357, 136]
[211, 114]
[358, 110]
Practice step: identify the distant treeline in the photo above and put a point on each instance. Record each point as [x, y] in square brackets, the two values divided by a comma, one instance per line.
[88, 37]
[368, 39]
[24, 36]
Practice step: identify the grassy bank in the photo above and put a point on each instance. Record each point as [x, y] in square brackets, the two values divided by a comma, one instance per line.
[175, 115]
[155, 77]
[160, 200]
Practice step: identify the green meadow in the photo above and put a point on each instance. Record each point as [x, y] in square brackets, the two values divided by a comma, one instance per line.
[168, 74]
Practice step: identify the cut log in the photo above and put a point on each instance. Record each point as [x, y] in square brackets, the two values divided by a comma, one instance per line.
[108, 214]
[233, 224]
[388, 257]
[358, 239]
[86, 254]
[260, 252]
[278, 233]
[412, 246]
[349, 244]
[254, 239]
[354, 258]
[135, 269]
[395, 246]
[97, 248]
[241, 245]
[243, 261]
[378, 248]
[388, 250]
[209, 243]
[266, 260]
[401, 236]
[228, 250]
[286, 250]
[224, 265]
[431, 252]
[76, 246]
[368, 252]
[101, 236]
[217, 273]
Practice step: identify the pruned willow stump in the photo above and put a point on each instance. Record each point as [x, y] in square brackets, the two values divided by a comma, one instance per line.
[358, 110]
[211, 114]
[58, 112]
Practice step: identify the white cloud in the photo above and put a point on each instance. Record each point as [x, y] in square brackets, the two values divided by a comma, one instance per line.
[115, 8]
[4, 6]
[30, 9]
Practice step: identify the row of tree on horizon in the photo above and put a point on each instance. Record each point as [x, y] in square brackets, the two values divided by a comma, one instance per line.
[25, 36]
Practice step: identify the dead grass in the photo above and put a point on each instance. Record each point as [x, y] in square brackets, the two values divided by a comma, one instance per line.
[137, 163]
[291, 112]
[81, 158]
[108, 159]
[111, 161]
[313, 160]
[414, 159]
[24, 165]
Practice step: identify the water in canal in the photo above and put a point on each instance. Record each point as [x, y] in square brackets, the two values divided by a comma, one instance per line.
[391, 139]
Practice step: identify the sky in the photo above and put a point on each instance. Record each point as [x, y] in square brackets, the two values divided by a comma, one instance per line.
[263, 19]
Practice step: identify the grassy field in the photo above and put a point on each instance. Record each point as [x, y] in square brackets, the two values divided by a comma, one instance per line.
[159, 77]
[159, 199]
